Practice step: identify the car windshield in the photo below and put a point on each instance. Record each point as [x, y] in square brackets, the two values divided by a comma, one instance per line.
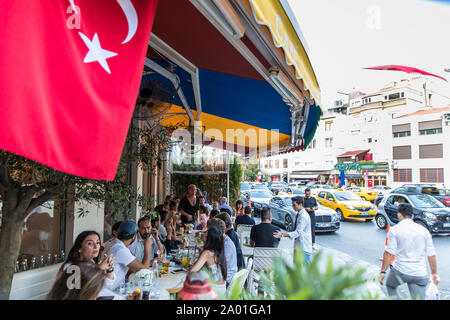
[261, 194]
[444, 192]
[357, 189]
[298, 191]
[327, 187]
[346, 196]
[430, 190]
[425, 201]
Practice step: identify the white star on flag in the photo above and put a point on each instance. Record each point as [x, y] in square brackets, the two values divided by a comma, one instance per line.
[96, 53]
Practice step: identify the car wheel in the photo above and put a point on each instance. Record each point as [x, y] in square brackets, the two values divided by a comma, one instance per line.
[288, 223]
[340, 214]
[381, 221]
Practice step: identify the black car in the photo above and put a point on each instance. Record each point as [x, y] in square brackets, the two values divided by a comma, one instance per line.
[424, 189]
[258, 199]
[427, 211]
[283, 215]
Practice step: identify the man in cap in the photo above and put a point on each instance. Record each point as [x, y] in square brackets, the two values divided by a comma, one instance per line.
[125, 261]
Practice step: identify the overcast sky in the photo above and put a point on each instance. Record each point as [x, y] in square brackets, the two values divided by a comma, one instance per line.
[345, 36]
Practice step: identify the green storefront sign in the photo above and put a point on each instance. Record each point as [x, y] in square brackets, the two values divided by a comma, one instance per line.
[360, 166]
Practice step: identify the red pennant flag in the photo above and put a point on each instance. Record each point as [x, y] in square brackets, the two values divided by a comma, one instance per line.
[69, 77]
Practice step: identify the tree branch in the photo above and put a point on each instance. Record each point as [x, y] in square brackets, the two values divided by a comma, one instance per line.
[46, 196]
[4, 173]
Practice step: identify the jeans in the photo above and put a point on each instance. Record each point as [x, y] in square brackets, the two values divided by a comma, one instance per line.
[307, 256]
[417, 285]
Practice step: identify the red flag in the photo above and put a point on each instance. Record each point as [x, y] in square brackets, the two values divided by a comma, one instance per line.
[69, 77]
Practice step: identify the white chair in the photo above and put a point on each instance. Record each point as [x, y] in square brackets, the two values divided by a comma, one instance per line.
[239, 279]
[243, 231]
[263, 258]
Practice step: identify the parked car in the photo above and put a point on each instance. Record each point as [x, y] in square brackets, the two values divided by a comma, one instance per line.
[364, 193]
[429, 189]
[293, 191]
[257, 199]
[245, 186]
[260, 187]
[428, 211]
[380, 189]
[283, 215]
[300, 185]
[347, 204]
[316, 188]
[275, 188]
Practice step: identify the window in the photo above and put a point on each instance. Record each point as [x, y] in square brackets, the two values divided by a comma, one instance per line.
[328, 125]
[402, 175]
[401, 152]
[270, 164]
[402, 134]
[322, 195]
[328, 142]
[431, 151]
[369, 140]
[277, 164]
[432, 175]
[285, 163]
[430, 131]
[402, 94]
[266, 164]
[330, 197]
[43, 235]
[394, 96]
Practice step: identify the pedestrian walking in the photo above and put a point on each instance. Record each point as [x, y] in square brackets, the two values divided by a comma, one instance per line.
[412, 246]
[302, 229]
[311, 206]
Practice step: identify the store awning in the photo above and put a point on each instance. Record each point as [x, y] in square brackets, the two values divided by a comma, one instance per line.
[229, 78]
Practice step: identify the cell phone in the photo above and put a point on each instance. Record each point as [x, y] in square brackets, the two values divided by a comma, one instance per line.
[177, 270]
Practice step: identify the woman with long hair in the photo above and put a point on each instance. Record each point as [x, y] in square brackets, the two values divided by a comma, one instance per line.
[213, 257]
[86, 248]
[202, 218]
[87, 287]
[239, 210]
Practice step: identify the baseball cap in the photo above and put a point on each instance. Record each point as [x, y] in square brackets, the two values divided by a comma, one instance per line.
[128, 227]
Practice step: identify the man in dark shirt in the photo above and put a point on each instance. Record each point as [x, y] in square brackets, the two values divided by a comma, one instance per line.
[310, 205]
[229, 231]
[246, 218]
[261, 234]
[189, 205]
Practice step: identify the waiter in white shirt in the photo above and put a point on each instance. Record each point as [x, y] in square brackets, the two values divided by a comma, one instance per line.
[412, 246]
[302, 231]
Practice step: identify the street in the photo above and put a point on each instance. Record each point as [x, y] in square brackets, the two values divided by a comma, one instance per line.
[365, 241]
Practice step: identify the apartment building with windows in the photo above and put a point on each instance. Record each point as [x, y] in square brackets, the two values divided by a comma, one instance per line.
[421, 147]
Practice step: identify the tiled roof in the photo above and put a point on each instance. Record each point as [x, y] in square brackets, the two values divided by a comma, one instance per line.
[427, 111]
[353, 153]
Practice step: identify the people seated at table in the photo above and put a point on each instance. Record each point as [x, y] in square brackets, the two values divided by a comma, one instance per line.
[202, 202]
[147, 230]
[92, 281]
[229, 248]
[224, 205]
[205, 196]
[213, 257]
[202, 218]
[261, 235]
[215, 206]
[162, 232]
[87, 248]
[213, 213]
[229, 231]
[125, 260]
[239, 208]
[246, 218]
[115, 231]
[170, 224]
[189, 205]
[162, 209]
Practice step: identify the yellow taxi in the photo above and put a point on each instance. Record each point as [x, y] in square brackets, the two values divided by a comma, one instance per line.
[347, 204]
[364, 194]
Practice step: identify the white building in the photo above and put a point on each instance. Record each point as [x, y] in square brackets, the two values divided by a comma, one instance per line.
[363, 127]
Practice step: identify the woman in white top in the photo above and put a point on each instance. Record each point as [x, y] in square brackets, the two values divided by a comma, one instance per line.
[87, 248]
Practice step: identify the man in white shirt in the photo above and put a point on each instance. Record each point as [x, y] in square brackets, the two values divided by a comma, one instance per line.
[302, 232]
[125, 261]
[412, 246]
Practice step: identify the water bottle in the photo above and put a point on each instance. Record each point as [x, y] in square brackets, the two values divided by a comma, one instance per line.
[49, 259]
[16, 267]
[41, 262]
[24, 265]
[55, 259]
[33, 263]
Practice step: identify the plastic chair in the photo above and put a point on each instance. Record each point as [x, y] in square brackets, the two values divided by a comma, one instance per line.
[263, 258]
[242, 230]
[239, 279]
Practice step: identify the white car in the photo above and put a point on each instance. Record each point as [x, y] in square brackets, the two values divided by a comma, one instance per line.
[315, 189]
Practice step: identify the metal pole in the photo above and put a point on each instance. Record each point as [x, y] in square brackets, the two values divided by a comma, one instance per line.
[228, 176]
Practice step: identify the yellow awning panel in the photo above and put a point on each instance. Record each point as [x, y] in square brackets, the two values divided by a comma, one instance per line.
[228, 131]
[271, 14]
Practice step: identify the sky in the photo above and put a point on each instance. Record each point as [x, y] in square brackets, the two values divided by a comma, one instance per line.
[345, 36]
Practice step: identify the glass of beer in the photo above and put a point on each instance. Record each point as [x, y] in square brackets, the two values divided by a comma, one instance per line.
[185, 261]
[165, 265]
[181, 230]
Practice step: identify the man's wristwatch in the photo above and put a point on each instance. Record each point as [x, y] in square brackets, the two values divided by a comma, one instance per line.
[110, 270]
[383, 272]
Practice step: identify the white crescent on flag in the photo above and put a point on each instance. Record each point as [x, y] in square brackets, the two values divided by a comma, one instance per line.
[132, 18]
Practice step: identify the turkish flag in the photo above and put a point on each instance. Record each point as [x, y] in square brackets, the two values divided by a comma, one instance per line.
[70, 72]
